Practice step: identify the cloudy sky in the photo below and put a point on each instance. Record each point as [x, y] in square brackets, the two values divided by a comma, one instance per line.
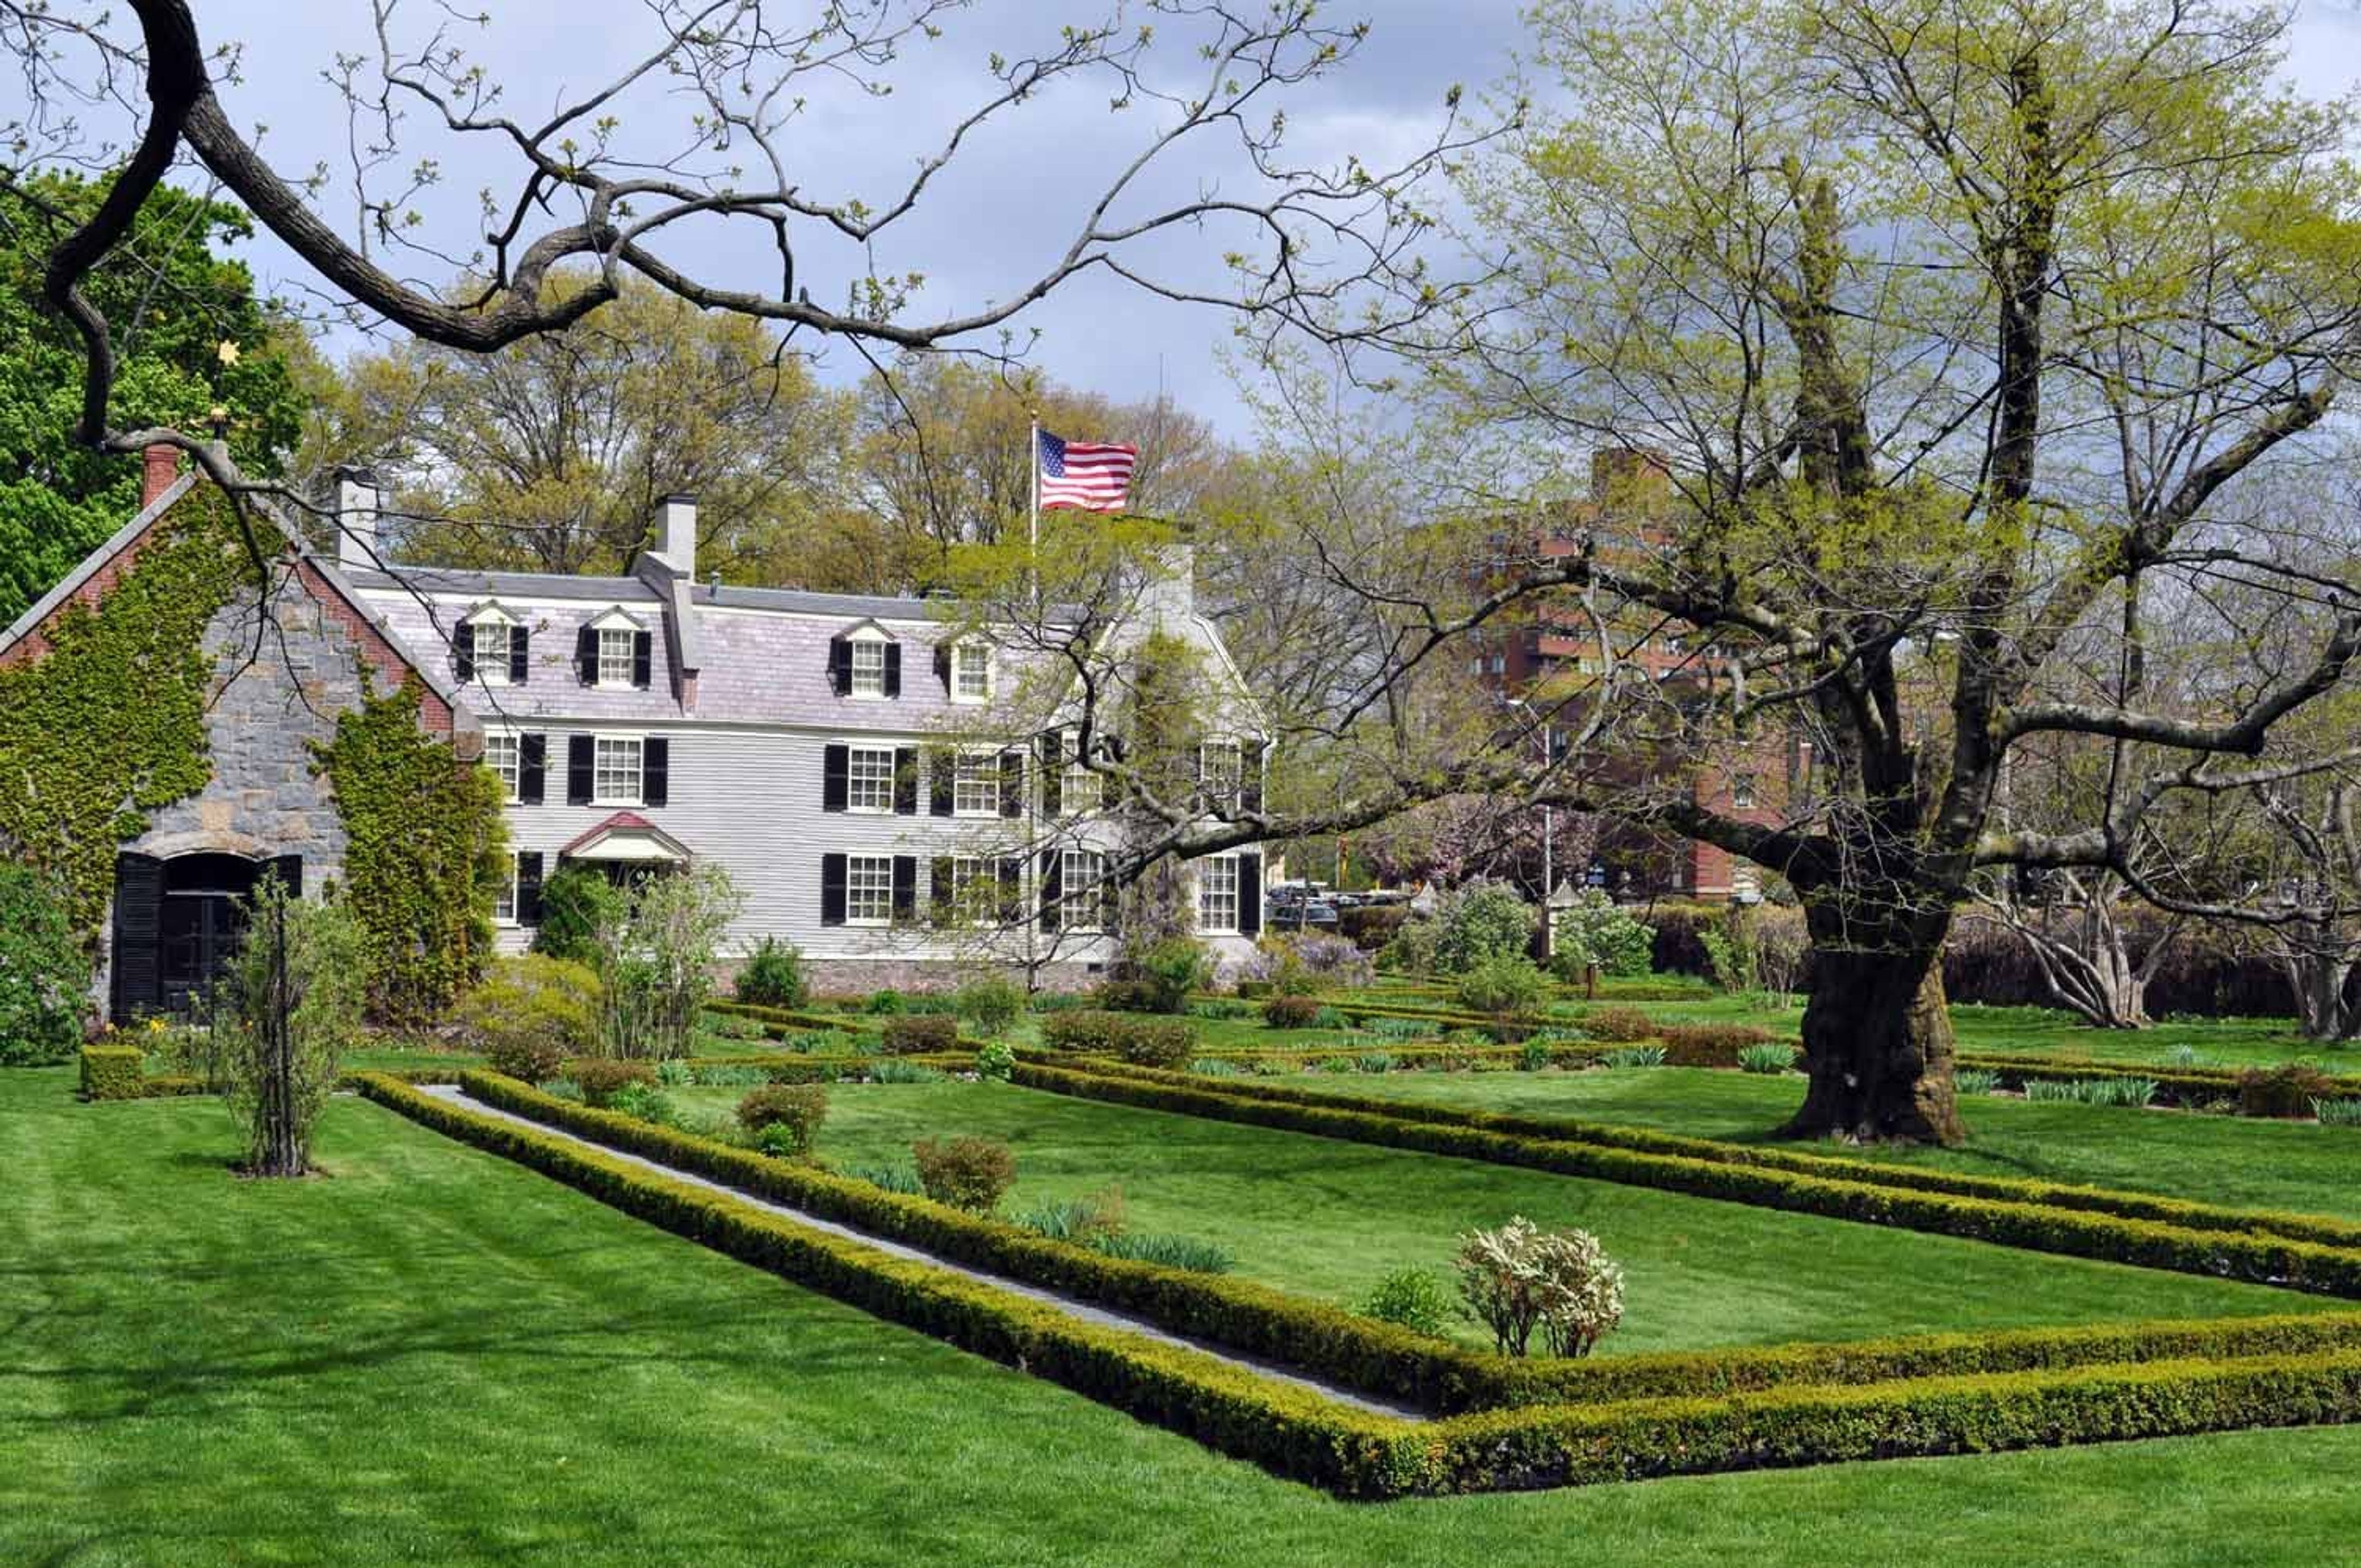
[1001, 212]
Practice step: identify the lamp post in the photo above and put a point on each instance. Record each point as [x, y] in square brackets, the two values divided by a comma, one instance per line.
[1549, 829]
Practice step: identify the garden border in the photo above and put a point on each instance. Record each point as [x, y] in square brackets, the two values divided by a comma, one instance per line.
[1302, 1435]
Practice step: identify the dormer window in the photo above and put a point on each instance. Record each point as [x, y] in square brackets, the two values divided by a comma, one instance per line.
[868, 666]
[612, 651]
[614, 656]
[489, 647]
[971, 672]
[865, 664]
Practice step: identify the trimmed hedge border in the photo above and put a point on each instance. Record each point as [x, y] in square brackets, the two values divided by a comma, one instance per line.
[2250, 1256]
[1358, 1454]
[2325, 1230]
[1359, 1353]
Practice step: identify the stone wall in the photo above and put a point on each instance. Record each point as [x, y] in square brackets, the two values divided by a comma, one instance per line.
[280, 681]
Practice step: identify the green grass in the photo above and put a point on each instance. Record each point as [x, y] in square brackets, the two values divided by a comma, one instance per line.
[1329, 1219]
[431, 1357]
[2235, 1160]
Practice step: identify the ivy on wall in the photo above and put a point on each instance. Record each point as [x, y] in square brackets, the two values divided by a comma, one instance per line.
[426, 849]
[110, 724]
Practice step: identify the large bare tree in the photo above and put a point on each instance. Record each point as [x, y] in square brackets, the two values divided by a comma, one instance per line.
[1955, 321]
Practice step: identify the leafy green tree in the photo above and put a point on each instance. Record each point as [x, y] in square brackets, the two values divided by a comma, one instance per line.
[173, 302]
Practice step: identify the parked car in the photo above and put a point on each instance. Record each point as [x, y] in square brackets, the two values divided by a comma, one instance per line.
[1300, 914]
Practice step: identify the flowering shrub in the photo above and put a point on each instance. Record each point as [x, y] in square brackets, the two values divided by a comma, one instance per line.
[1483, 921]
[1305, 965]
[1520, 1278]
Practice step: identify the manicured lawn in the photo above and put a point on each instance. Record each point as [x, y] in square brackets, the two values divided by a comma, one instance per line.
[1330, 1219]
[431, 1357]
[2240, 1161]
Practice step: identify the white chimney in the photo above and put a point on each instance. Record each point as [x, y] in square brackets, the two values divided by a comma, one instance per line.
[677, 533]
[357, 541]
[1168, 592]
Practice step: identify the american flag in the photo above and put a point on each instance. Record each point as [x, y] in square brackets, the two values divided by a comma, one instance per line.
[1089, 475]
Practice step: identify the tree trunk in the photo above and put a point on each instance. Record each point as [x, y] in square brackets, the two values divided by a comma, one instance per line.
[1877, 1045]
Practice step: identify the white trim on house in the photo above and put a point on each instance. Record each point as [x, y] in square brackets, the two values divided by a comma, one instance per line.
[598, 741]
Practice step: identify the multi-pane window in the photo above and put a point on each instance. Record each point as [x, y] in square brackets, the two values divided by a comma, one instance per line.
[975, 887]
[1079, 893]
[1085, 790]
[868, 778]
[971, 672]
[1222, 766]
[489, 641]
[868, 668]
[616, 775]
[1217, 893]
[615, 662]
[1742, 792]
[502, 756]
[504, 897]
[975, 785]
[868, 890]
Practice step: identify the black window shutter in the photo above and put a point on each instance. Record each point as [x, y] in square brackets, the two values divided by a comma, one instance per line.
[656, 771]
[520, 654]
[942, 774]
[643, 654]
[832, 890]
[580, 751]
[893, 669]
[1053, 771]
[585, 655]
[528, 887]
[940, 891]
[532, 762]
[836, 778]
[1011, 889]
[1249, 895]
[905, 781]
[463, 652]
[1250, 776]
[138, 935]
[1011, 782]
[905, 886]
[943, 664]
[839, 664]
[1053, 886]
[289, 870]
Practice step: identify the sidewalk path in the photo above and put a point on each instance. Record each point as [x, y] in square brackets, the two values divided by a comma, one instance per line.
[1084, 1312]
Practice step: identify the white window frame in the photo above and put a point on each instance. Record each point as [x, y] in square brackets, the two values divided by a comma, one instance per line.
[599, 744]
[969, 873]
[491, 669]
[510, 897]
[867, 640]
[965, 656]
[855, 754]
[1742, 791]
[968, 763]
[1228, 865]
[1093, 922]
[512, 775]
[1083, 792]
[860, 874]
[608, 638]
[1237, 754]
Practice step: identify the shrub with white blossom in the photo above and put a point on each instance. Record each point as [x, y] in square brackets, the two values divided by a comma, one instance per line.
[1521, 1278]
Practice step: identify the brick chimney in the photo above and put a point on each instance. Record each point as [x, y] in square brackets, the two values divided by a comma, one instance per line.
[163, 467]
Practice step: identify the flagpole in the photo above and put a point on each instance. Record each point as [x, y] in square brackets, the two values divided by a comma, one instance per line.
[1033, 511]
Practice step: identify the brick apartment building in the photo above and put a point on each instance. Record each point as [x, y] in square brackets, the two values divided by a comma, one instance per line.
[1547, 656]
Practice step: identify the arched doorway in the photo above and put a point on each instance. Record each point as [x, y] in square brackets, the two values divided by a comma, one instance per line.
[177, 923]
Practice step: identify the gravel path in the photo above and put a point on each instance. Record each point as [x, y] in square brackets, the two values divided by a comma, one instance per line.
[1083, 1311]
